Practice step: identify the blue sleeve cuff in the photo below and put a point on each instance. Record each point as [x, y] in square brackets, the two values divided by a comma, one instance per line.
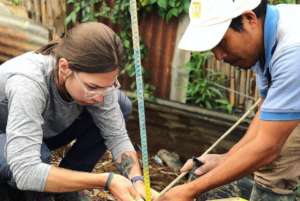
[270, 116]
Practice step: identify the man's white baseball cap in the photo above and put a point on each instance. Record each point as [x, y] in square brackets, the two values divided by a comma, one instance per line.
[209, 21]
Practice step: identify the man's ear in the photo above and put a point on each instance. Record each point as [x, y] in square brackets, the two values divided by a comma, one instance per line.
[63, 68]
[250, 18]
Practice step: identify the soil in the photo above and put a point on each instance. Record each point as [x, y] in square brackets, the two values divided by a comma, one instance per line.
[160, 175]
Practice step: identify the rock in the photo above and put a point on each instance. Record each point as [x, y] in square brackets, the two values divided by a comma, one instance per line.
[171, 159]
[157, 160]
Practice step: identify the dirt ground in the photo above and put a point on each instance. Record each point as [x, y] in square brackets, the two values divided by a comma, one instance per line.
[160, 175]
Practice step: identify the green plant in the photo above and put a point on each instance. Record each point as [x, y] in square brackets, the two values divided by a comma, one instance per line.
[16, 2]
[201, 88]
[167, 9]
[82, 11]
[282, 1]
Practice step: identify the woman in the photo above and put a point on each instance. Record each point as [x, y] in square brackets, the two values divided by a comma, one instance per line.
[67, 90]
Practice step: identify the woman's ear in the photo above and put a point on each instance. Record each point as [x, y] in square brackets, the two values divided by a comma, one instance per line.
[63, 68]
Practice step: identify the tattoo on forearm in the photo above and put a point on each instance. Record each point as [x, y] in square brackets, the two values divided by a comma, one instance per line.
[125, 166]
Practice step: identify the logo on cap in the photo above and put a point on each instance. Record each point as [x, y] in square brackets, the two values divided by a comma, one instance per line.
[195, 9]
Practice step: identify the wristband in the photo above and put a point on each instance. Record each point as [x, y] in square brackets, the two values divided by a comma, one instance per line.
[136, 178]
[108, 181]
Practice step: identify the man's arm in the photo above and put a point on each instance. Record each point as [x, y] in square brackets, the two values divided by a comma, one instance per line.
[213, 160]
[255, 153]
[250, 134]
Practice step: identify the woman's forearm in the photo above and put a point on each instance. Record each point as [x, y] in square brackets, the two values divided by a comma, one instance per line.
[63, 180]
[128, 164]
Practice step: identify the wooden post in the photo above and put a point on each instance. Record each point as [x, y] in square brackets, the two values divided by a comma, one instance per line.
[37, 11]
[180, 74]
[242, 90]
[232, 86]
[237, 84]
[59, 15]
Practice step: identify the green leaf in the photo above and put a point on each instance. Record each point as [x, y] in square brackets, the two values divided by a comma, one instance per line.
[208, 104]
[186, 6]
[71, 18]
[143, 2]
[162, 3]
[172, 3]
[172, 13]
[216, 91]
[126, 43]
[16, 2]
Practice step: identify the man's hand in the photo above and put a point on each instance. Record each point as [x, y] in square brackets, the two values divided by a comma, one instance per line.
[210, 162]
[123, 190]
[140, 188]
[178, 193]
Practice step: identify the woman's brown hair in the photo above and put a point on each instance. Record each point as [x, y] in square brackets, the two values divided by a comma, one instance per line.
[89, 47]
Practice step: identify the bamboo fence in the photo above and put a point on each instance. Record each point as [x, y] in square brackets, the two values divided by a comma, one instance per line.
[240, 84]
[51, 14]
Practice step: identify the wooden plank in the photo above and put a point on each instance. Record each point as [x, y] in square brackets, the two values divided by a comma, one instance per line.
[248, 102]
[29, 7]
[237, 84]
[248, 74]
[242, 90]
[232, 87]
[50, 14]
[44, 12]
[184, 129]
[180, 74]
[58, 16]
[37, 11]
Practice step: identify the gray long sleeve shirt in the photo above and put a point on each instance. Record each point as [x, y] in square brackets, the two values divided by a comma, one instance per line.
[31, 109]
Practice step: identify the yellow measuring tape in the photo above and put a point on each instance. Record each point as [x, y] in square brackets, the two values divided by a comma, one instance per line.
[140, 96]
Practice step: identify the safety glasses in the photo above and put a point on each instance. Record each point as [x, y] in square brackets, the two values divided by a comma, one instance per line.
[94, 93]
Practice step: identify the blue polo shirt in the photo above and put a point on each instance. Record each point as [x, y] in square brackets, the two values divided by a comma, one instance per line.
[278, 79]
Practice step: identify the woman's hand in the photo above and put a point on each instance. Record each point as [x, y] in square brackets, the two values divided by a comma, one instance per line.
[123, 190]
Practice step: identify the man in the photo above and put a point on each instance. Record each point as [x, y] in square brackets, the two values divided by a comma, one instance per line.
[252, 34]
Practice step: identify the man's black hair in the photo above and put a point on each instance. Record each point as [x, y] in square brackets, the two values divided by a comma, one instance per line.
[260, 12]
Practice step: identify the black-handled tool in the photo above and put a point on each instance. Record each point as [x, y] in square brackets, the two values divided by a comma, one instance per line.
[196, 164]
